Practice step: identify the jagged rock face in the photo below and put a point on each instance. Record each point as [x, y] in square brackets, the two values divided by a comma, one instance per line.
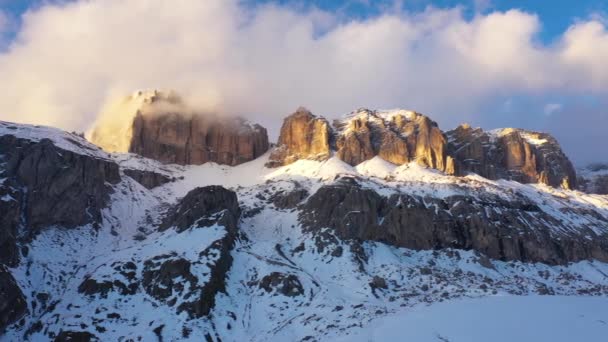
[302, 136]
[12, 302]
[189, 282]
[75, 336]
[355, 145]
[201, 205]
[286, 284]
[594, 179]
[398, 137]
[149, 179]
[160, 126]
[49, 186]
[488, 224]
[524, 156]
[173, 138]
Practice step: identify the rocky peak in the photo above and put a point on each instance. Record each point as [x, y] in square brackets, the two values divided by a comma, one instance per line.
[303, 136]
[161, 126]
[593, 179]
[60, 178]
[397, 136]
[509, 153]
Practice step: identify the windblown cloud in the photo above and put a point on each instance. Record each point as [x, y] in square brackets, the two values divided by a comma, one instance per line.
[265, 61]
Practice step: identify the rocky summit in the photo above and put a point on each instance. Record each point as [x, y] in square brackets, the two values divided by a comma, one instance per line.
[517, 154]
[171, 225]
[159, 125]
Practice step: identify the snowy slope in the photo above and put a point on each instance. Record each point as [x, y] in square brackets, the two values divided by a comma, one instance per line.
[397, 293]
[499, 319]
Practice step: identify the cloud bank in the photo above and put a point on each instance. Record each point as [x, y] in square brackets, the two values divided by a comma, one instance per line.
[264, 61]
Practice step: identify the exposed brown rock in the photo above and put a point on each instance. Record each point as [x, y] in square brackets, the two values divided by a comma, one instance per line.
[355, 143]
[303, 136]
[515, 154]
[179, 139]
[399, 138]
[161, 126]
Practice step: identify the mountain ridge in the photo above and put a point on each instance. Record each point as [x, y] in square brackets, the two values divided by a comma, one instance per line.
[315, 249]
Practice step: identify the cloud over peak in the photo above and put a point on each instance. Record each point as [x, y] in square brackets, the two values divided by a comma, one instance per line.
[263, 61]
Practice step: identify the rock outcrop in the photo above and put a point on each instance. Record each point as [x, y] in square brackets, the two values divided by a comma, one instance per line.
[203, 207]
[149, 179]
[160, 126]
[12, 302]
[594, 179]
[173, 138]
[397, 136]
[46, 185]
[189, 282]
[514, 154]
[286, 284]
[500, 229]
[303, 136]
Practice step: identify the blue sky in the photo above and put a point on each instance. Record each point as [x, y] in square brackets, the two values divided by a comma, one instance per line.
[556, 15]
[532, 64]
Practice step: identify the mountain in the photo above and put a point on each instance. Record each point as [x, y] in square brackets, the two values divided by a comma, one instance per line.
[594, 179]
[375, 226]
[160, 125]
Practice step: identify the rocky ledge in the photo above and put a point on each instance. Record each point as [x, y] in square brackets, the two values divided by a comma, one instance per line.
[502, 229]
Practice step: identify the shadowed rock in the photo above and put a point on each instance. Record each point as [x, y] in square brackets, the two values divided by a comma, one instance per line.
[501, 229]
[514, 154]
[49, 186]
[149, 179]
[286, 284]
[12, 301]
[203, 207]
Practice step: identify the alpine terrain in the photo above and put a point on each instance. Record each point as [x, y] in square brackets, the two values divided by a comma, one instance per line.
[168, 224]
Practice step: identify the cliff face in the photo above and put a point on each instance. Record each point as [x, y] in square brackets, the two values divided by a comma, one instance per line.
[47, 185]
[515, 154]
[44, 183]
[398, 137]
[160, 126]
[501, 229]
[594, 179]
[173, 138]
[303, 136]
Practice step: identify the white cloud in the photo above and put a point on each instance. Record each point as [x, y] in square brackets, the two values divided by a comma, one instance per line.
[551, 108]
[266, 61]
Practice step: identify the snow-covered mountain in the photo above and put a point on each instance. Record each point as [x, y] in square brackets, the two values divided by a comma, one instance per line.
[318, 239]
[594, 179]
